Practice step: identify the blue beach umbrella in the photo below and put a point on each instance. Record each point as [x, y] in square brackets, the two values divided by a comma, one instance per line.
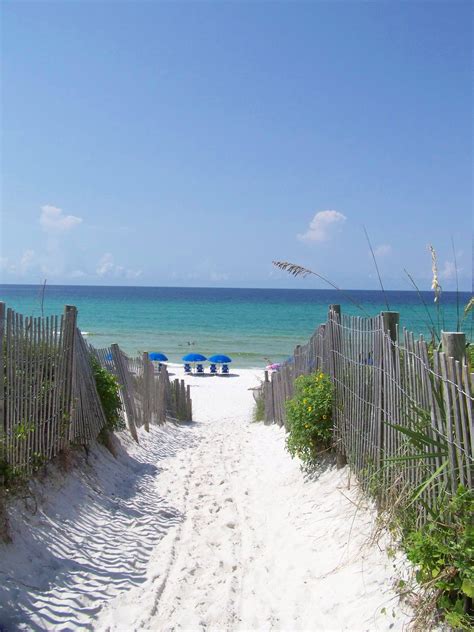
[220, 359]
[194, 357]
[157, 357]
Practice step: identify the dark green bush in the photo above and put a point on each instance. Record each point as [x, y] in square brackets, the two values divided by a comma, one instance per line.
[443, 552]
[108, 390]
[309, 416]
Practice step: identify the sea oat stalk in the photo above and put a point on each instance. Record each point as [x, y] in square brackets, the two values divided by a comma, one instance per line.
[435, 285]
[434, 333]
[377, 269]
[296, 270]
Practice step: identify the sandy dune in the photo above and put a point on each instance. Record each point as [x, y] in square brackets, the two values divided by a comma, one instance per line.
[207, 525]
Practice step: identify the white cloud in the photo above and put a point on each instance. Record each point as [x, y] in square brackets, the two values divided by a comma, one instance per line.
[20, 267]
[7, 266]
[106, 265]
[449, 271]
[52, 219]
[219, 276]
[322, 226]
[108, 268]
[77, 274]
[383, 250]
[26, 261]
[191, 276]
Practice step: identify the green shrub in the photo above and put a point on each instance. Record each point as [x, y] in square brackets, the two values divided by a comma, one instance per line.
[259, 410]
[309, 416]
[443, 552]
[108, 390]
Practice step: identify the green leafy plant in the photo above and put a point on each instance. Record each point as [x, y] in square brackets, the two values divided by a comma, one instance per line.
[108, 390]
[442, 548]
[23, 429]
[443, 552]
[259, 409]
[309, 416]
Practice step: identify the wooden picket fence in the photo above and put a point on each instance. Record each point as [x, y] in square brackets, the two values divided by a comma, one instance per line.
[48, 395]
[384, 389]
[147, 398]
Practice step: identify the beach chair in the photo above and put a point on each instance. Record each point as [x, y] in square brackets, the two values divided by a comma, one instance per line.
[225, 369]
[213, 369]
[199, 368]
[187, 368]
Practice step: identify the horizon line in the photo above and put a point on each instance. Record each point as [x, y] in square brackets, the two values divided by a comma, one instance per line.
[210, 287]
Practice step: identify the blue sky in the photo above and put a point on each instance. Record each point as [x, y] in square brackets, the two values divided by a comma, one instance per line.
[184, 143]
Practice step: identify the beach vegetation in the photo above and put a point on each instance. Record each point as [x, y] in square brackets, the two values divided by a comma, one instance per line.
[435, 320]
[259, 408]
[109, 394]
[442, 547]
[309, 415]
[443, 553]
[300, 271]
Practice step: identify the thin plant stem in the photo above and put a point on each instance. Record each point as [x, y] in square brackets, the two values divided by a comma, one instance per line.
[434, 333]
[297, 270]
[377, 268]
[458, 320]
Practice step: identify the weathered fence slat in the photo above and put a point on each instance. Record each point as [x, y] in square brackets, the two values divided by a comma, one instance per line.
[379, 383]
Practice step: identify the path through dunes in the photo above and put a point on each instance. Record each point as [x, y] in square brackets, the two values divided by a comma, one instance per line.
[204, 526]
[258, 548]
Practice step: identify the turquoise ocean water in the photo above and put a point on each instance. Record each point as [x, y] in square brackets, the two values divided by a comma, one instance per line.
[250, 325]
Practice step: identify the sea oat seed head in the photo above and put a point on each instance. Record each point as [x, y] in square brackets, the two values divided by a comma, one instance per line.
[435, 285]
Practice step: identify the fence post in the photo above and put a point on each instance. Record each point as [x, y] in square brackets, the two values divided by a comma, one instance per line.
[175, 393]
[2, 384]
[454, 344]
[297, 357]
[146, 391]
[268, 413]
[118, 361]
[162, 395]
[330, 363]
[70, 323]
[189, 403]
[182, 405]
[390, 322]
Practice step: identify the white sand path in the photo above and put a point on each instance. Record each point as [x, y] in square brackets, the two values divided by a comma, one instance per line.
[258, 549]
[211, 526]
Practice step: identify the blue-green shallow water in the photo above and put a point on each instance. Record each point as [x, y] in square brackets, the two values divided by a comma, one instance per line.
[250, 325]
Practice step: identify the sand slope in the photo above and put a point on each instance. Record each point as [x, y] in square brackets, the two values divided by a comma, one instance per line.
[211, 526]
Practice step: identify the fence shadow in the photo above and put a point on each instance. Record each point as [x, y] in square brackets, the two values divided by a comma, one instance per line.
[90, 540]
[325, 462]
